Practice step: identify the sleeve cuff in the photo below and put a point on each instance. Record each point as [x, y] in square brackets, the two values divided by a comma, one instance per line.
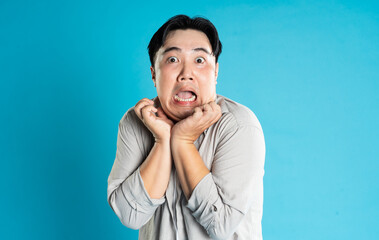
[134, 190]
[205, 201]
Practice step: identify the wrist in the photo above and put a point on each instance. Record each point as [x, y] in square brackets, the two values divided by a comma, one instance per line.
[181, 143]
[162, 138]
[162, 141]
[182, 139]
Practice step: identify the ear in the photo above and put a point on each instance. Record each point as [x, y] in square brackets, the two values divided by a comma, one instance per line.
[153, 75]
[216, 72]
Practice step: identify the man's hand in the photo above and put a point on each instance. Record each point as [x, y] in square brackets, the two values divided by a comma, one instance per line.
[155, 170]
[189, 129]
[154, 119]
[188, 162]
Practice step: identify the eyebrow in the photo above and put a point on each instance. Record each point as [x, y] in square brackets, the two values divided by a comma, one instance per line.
[172, 49]
[179, 50]
[202, 50]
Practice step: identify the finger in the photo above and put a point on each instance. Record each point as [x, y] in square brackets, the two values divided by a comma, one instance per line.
[197, 112]
[139, 107]
[141, 104]
[148, 112]
[145, 100]
[214, 112]
[216, 109]
[214, 106]
[207, 108]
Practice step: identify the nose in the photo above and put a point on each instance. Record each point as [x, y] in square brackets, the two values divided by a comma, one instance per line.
[186, 72]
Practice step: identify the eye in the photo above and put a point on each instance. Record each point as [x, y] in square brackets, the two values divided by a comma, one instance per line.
[172, 60]
[200, 60]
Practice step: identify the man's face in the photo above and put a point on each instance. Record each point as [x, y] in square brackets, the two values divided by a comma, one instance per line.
[185, 73]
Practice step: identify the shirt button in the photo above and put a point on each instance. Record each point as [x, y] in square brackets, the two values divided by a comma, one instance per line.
[215, 208]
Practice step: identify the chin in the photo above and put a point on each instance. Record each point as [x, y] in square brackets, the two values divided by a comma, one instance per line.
[182, 115]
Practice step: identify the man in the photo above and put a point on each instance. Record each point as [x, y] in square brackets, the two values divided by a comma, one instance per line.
[189, 163]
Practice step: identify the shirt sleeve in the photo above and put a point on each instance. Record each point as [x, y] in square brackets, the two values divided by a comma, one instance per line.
[234, 186]
[126, 193]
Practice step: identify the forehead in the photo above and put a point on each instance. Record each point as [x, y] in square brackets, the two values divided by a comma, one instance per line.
[188, 38]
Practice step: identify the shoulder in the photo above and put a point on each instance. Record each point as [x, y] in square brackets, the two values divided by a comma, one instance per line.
[236, 115]
[131, 123]
[129, 117]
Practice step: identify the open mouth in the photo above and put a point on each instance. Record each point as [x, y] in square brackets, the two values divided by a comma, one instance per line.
[185, 96]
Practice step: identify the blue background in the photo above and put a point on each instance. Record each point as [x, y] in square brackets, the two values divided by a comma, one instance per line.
[308, 69]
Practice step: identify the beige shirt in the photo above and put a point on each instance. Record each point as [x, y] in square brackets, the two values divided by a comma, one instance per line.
[226, 204]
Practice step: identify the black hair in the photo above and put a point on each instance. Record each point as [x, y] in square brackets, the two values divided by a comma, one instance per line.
[183, 22]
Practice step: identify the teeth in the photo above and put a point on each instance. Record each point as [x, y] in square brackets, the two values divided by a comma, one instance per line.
[185, 100]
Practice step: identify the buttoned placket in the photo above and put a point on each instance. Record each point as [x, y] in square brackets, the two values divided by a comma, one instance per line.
[175, 217]
[171, 199]
[173, 193]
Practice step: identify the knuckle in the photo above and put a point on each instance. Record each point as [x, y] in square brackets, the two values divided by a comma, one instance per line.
[139, 105]
[145, 109]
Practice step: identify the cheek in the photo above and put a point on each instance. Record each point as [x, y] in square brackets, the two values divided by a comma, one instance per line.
[164, 86]
[207, 70]
[208, 84]
[208, 76]
[207, 88]
[167, 72]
